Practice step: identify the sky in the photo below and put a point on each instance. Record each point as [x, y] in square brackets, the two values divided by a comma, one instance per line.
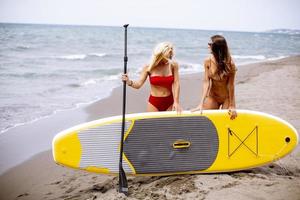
[237, 15]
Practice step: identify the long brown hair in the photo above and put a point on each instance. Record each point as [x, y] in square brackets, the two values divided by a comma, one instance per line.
[221, 53]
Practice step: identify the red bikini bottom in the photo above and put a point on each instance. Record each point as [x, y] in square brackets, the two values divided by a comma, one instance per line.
[161, 103]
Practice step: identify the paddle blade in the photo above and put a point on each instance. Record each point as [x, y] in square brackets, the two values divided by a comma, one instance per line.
[123, 185]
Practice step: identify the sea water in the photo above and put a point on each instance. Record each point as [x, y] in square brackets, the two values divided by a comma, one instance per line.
[47, 68]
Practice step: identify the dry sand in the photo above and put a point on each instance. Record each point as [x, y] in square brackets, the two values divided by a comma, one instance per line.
[272, 87]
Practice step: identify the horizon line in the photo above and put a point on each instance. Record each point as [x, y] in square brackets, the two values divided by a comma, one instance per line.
[149, 27]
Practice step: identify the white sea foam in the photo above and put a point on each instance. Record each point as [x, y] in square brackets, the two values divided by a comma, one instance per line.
[254, 57]
[112, 77]
[285, 31]
[277, 58]
[73, 57]
[97, 54]
[89, 82]
[81, 56]
[23, 47]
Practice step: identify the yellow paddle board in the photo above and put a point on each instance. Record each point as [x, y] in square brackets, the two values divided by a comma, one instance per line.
[166, 143]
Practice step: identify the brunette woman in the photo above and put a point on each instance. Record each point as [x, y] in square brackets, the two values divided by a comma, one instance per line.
[218, 81]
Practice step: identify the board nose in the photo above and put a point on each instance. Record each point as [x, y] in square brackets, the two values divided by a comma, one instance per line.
[66, 149]
[289, 137]
[292, 137]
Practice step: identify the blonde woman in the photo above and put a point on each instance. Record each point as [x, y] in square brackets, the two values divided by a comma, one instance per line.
[164, 80]
[218, 81]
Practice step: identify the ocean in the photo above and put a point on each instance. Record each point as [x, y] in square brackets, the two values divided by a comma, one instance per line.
[45, 69]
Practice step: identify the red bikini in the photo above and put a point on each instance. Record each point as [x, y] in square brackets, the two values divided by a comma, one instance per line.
[162, 103]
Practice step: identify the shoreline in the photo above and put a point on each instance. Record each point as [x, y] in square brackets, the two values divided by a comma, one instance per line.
[81, 105]
[269, 87]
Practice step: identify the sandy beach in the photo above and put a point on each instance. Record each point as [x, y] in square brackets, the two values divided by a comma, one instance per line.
[272, 87]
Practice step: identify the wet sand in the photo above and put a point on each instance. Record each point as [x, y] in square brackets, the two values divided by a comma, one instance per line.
[272, 87]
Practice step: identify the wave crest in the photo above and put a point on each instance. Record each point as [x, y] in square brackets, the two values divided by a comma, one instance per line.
[254, 57]
[81, 56]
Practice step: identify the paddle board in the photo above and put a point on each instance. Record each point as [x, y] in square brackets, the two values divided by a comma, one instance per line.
[166, 143]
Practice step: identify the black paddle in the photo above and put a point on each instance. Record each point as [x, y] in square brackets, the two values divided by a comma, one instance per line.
[123, 185]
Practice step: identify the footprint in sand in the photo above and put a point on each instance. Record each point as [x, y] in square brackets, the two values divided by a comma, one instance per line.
[103, 187]
[71, 189]
[55, 183]
[23, 195]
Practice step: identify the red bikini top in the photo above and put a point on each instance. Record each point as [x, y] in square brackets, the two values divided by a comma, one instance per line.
[164, 81]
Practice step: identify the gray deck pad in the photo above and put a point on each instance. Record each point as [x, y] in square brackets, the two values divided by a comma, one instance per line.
[100, 147]
[149, 146]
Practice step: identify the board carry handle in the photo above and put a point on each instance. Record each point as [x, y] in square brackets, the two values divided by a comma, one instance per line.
[181, 144]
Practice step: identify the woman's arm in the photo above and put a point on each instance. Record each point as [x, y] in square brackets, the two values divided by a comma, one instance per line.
[230, 85]
[205, 86]
[176, 87]
[137, 84]
[231, 91]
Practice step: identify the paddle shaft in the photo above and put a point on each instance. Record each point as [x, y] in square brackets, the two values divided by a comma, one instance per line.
[123, 185]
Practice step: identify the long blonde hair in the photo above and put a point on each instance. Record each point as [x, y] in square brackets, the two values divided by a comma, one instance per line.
[160, 52]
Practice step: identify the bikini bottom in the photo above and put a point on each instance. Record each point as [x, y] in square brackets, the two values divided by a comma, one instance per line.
[161, 103]
[219, 100]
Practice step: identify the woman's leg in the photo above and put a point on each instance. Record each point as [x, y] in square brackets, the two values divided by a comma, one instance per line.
[151, 108]
[225, 104]
[170, 108]
[210, 103]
